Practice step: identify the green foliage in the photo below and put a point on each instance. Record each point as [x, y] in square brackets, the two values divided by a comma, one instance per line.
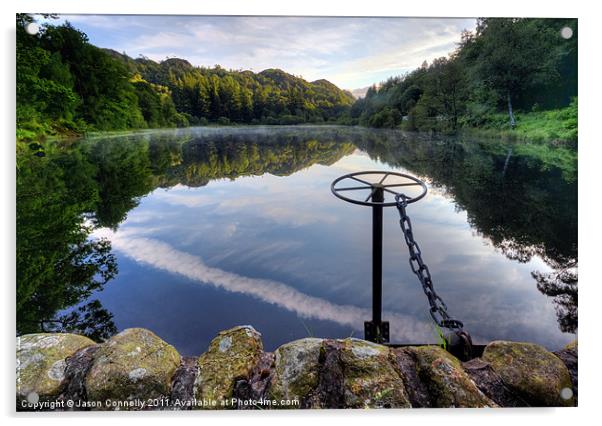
[65, 85]
[557, 125]
[215, 94]
[515, 65]
[156, 105]
[387, 117]
[57, 265]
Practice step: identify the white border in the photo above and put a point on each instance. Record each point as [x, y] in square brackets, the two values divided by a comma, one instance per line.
[589, 204]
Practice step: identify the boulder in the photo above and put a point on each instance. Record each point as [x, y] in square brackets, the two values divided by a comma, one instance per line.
[296, 372]
[254, 388]
[491, 384]
[370, 378]
[135, 368]
[537, 375]
[41, 363]
[132, 366]
[568, 355]
[572, 346]
[447, 383]
[231, 356]
[417, 390]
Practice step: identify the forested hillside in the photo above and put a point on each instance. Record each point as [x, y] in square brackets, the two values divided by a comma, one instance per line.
[67, 85]
[216, 94]
[505, 71]
[509, 75]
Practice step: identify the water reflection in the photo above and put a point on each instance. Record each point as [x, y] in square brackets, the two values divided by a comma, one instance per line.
[248, 214]
[522, 198]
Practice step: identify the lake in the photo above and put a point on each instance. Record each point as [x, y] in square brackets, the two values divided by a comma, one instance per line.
[188, 232]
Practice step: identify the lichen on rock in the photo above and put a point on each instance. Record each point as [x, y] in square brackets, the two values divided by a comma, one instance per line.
[569, 356]
[447, 382]
[41, 362]
[133, 365]
[136, 366]
[572, 346]
[296, 369]
[531, 371]
[231, 356]
[370, 379]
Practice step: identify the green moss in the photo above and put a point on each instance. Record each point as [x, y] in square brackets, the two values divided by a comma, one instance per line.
[135, 364]
[533, 372]
[371, 380]
[572, 345]
[296, 366]
[231, 356]
[41, 362]
[447, 382]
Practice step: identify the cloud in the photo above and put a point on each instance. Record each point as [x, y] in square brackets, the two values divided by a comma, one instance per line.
[165, 257]
[256, 200]
[351, 52]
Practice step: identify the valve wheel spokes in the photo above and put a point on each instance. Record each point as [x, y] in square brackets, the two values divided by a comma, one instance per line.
[380, 184]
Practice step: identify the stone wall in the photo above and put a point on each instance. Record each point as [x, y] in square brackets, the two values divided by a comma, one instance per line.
[136, 370]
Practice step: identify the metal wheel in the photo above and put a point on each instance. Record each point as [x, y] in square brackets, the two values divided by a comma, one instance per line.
[367, 184]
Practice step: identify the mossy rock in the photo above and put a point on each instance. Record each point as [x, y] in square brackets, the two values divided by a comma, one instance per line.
[572, 346]
[447, 382]
[231, 356]
[41, 363]
[370, 379]
[530, 370]
[296, 371]
[133, 365]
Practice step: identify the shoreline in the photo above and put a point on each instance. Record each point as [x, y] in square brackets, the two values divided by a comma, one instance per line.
[136, 370]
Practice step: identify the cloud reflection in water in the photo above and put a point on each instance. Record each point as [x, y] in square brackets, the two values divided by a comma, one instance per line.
[163, 256]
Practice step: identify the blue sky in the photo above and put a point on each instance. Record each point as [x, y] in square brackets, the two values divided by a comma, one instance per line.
[350, 52]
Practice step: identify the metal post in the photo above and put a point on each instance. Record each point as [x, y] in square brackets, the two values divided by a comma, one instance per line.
[377, 256]
[377, 330]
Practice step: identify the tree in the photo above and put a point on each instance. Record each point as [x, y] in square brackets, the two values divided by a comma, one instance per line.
[511, 55]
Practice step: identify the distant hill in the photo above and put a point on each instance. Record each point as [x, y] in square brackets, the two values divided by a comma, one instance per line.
[361, 92]
[271, 96]
[67, 86]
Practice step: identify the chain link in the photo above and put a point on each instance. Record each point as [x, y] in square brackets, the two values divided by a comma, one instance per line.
[438, 308]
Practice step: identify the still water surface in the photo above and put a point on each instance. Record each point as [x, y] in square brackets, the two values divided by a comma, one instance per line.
[211, 228]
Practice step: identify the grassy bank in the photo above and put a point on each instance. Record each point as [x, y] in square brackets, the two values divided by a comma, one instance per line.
[557, 126]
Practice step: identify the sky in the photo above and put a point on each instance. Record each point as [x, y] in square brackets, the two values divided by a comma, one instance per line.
[350, 52]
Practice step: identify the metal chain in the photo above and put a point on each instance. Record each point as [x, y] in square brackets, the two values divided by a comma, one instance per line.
[438, 307]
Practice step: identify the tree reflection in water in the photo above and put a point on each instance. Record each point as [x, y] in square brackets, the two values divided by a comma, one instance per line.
[523, 198]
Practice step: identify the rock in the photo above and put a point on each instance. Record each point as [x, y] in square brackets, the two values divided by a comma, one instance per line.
[572, 346]
[41, 363]
[76, 371]
[447, 383]
[568, 355]
[537, 375]
[254, 388]
[417, 390]
[182, 388]
[491, 384]
[135, 367]
[231, 356]
[331, 387]
[370, 379]
[296, 370]
[132, 366]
